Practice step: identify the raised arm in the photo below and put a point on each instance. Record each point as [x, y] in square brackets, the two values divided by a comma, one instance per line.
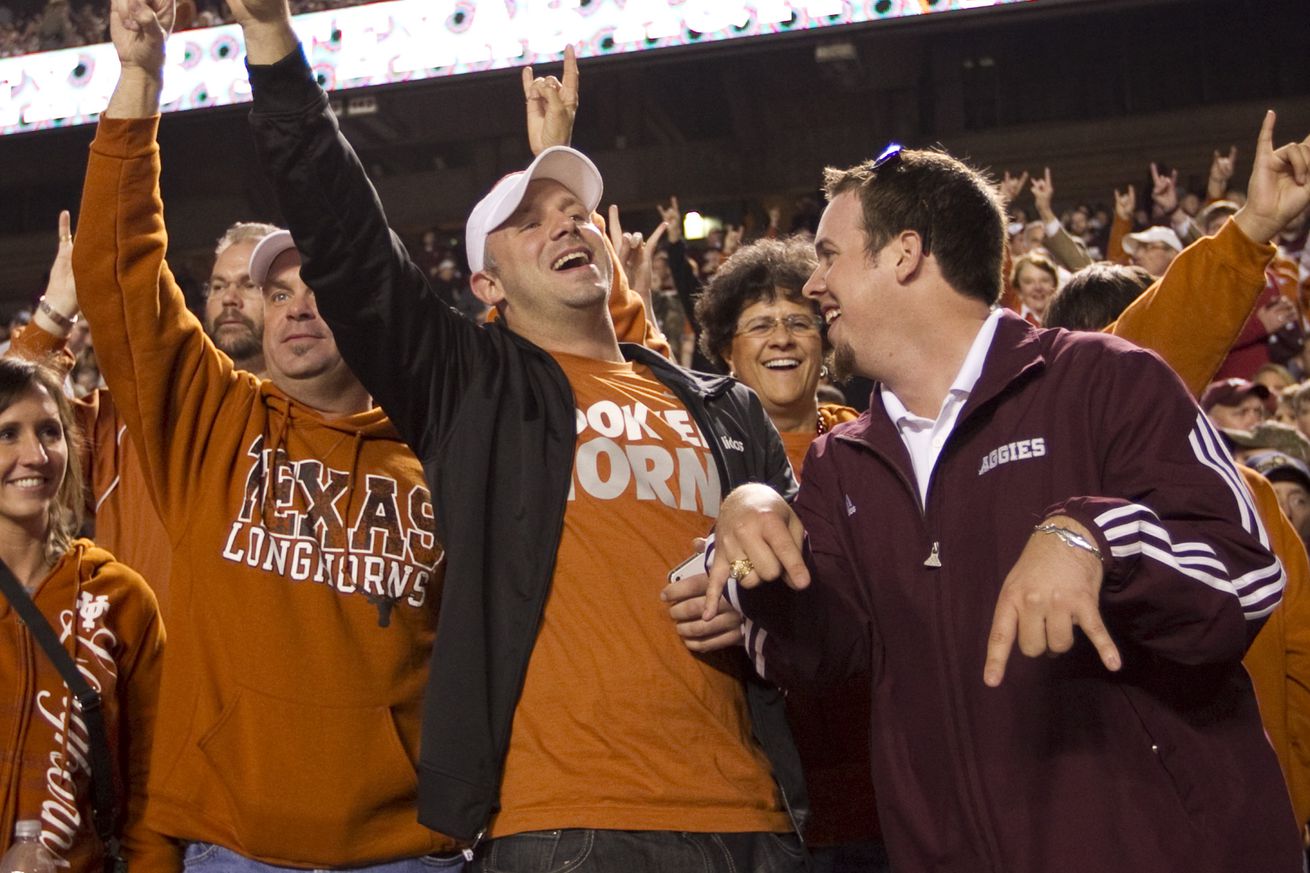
[1071, 253]
[1221, 173]
[1125, 203]
[1196, 312]
[45, 340]
[169, 383]
[413, 353]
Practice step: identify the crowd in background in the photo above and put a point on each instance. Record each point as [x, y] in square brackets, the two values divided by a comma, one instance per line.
[1144, 224]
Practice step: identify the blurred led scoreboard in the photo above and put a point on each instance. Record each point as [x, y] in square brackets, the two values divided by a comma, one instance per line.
[410, 40]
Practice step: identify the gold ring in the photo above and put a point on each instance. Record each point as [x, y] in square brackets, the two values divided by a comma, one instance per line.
[65, 237]
[741, 568]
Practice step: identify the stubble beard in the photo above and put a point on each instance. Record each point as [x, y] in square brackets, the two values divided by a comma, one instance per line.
[841, 363]
[238, 348]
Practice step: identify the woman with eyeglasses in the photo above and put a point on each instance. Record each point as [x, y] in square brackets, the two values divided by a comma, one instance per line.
[758, 325]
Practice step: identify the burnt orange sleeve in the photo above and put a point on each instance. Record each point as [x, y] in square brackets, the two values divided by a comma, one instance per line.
[632, 324]
[32, 343]
[170, 385]
[1193, 313]
[1296, 610]
[1114, 247]
[1279, 658]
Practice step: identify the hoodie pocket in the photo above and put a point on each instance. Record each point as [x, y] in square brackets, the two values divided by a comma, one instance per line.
[312, 785]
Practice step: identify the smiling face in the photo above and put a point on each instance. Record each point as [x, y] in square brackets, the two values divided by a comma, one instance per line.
[781, 366]
[853, 290]
[298, 345]
[547, 261]
[33, 459]
[1035, 287]
[234, 309]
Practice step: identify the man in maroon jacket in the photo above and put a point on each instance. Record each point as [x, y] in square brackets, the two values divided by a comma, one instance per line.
[1008, 485]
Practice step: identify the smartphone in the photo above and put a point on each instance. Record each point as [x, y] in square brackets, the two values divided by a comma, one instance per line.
[693, 566]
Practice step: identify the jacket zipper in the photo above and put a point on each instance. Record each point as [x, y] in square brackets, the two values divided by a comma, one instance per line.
[956, 716]
[934, 558]
[933, 561]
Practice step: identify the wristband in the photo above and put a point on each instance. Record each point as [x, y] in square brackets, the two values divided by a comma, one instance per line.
[64, 321]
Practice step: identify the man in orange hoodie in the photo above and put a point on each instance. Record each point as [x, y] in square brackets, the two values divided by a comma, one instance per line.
[305, 564]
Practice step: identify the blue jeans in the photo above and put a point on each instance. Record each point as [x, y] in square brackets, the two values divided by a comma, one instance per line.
[600, 851]
[209, 858]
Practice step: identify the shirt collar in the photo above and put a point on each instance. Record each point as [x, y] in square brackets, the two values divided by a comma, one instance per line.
[965, 380]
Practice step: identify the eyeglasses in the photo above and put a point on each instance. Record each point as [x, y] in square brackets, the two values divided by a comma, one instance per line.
[217, 288]
[764, 326]
[889, 154]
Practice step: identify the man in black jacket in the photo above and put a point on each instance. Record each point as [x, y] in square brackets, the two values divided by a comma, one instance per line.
[566, 470]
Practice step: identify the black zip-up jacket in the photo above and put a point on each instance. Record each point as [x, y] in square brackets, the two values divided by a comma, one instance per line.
[491, 418]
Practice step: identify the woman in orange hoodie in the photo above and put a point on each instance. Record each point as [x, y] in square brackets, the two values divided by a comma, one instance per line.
[107, 620]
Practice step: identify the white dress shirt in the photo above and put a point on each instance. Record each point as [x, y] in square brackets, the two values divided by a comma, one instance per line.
[924, 437]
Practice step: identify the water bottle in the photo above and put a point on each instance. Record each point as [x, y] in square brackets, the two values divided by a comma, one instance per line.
[27, 855]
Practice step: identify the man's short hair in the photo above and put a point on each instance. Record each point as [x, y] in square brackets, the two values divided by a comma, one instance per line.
[764, 270]
[954, 209]
[242, 231]
[1096, 295]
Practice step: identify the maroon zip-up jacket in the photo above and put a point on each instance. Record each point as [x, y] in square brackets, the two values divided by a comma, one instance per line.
[1066, 767]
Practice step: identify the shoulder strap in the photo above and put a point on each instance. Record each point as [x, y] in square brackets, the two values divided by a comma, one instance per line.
[88, 704]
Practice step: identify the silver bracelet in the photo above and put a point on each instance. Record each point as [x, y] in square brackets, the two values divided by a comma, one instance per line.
[1069, 538]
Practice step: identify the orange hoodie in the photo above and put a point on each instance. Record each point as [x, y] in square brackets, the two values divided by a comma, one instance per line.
[109, 623]
[126, 523]
[1279, 657]
[306, 571]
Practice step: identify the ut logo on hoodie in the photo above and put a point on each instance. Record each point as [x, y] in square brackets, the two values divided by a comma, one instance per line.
[304, 521]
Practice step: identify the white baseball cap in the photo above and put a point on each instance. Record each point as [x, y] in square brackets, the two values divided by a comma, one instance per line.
[266, 251]
[1157, 234]
[568, 166]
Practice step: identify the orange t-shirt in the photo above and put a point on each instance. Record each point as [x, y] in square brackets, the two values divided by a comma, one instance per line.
[797, 445]
[619, 726]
